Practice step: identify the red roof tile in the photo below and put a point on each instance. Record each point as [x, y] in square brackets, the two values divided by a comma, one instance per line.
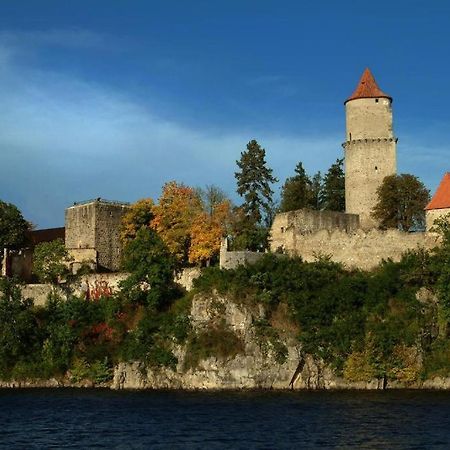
[441, 198]
[367, 88]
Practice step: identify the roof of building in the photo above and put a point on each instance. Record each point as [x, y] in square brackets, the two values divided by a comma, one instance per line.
[441, 198]
[367, 88]
[49, 234]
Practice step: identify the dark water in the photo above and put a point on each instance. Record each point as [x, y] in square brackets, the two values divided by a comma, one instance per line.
[103, 419]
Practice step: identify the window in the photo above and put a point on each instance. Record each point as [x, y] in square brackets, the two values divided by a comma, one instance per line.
[376, 100]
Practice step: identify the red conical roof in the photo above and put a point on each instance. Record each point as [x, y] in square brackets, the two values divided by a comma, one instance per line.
[441, 199]
[367, 88]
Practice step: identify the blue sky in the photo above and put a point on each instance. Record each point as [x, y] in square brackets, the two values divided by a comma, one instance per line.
[113, 98]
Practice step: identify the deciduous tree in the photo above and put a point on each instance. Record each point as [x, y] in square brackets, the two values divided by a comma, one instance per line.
[13, 227]
[139, 215]
[173, 217]
[51, 261]
[401, 202]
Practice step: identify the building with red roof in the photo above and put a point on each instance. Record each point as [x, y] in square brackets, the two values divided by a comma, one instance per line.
[439, 205]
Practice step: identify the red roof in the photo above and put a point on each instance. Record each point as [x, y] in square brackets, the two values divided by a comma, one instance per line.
[441, 198]
[367, 88]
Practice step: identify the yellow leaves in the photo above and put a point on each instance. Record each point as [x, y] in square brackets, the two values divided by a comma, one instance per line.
[191, 234]
[173, 216]
[139, 215]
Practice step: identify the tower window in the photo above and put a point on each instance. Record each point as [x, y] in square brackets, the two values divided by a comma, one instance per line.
[376, 168]
[376, 100]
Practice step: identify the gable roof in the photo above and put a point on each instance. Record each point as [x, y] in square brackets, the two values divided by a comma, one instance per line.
[367, 88]
[441, 199]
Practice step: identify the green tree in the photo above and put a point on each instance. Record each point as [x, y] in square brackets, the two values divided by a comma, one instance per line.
[401, 202]
[51, 262]
[13, 227]
[152, 269]
[140, 214]
[333, 191]
[316, 191]
[254, 180]
[297, 191]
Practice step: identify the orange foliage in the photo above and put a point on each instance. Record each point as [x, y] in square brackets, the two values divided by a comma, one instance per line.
[139, 215]
[173, 216]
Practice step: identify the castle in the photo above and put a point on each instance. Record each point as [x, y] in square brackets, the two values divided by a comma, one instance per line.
[370, 155]
[91, 231]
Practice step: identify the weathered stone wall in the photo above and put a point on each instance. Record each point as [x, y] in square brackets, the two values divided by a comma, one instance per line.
[433, 214]
[358, 249]
[370, 154]
[232, 259]
[96, 225]
[307, 221]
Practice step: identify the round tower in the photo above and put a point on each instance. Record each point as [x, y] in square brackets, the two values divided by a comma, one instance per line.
[370, 147]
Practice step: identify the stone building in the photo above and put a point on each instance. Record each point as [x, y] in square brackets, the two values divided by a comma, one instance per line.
[439, 205]
[92, 233]
[352, 237]
[370, 147]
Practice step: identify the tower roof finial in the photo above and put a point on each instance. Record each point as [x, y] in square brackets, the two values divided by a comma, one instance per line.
[367, 88]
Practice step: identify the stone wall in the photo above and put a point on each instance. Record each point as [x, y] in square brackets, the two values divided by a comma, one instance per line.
[96, 225]
[232, 259]
[433, 214]
[306, 222]
[358, 249]
[370, 154]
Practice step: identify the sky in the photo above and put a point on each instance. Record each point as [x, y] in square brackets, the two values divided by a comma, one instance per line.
[111, 99]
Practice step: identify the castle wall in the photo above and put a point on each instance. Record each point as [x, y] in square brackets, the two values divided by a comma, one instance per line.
[370, 154]
[367, 163]
[358, 249]
[96, 226]
[80, 226]
[107, 243]
[433, 214]
[307, 221]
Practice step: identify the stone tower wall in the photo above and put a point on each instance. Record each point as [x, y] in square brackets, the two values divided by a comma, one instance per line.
[370, 154]
[96, 226]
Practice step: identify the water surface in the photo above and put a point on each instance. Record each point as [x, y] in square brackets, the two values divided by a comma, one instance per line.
[70, 418]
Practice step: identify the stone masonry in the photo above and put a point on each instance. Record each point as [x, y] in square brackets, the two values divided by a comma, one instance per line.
[95, 225]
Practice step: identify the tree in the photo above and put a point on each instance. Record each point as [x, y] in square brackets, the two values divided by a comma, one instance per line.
[207, 232]
[401, 202]
[139, 215]
[151, 265]
[316, 191]
[211, 196]
[173, 216]
[254, 181]
[51, 261]
[297, 192]
[13, 227]
[333, 191]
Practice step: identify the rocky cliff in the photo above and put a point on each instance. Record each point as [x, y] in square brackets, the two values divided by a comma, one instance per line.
[267, 356]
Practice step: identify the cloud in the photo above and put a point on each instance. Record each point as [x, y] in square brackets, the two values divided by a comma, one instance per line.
[64, 139]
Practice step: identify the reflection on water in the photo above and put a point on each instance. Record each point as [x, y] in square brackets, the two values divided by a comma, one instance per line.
[72, 418]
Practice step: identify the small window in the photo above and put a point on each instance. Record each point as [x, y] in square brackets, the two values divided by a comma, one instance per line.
[376, 168]
[376, 100]
[282, 229]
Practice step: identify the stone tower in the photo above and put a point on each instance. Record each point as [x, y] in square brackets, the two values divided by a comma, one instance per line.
[370, 147]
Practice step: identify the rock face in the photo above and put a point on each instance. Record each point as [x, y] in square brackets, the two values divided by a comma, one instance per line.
[256, 367]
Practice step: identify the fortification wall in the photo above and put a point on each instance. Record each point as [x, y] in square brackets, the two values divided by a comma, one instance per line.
[96, 225]
[358, 249]
[433, 214]
[307, 221]
[367, 163]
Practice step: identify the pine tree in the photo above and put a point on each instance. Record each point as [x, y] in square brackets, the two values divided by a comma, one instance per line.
[333, 192]
[296, 192]
[254, 180]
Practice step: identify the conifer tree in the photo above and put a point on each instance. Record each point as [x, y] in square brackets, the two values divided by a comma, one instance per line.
[254, 180]
[333, 192]
[296, 192]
